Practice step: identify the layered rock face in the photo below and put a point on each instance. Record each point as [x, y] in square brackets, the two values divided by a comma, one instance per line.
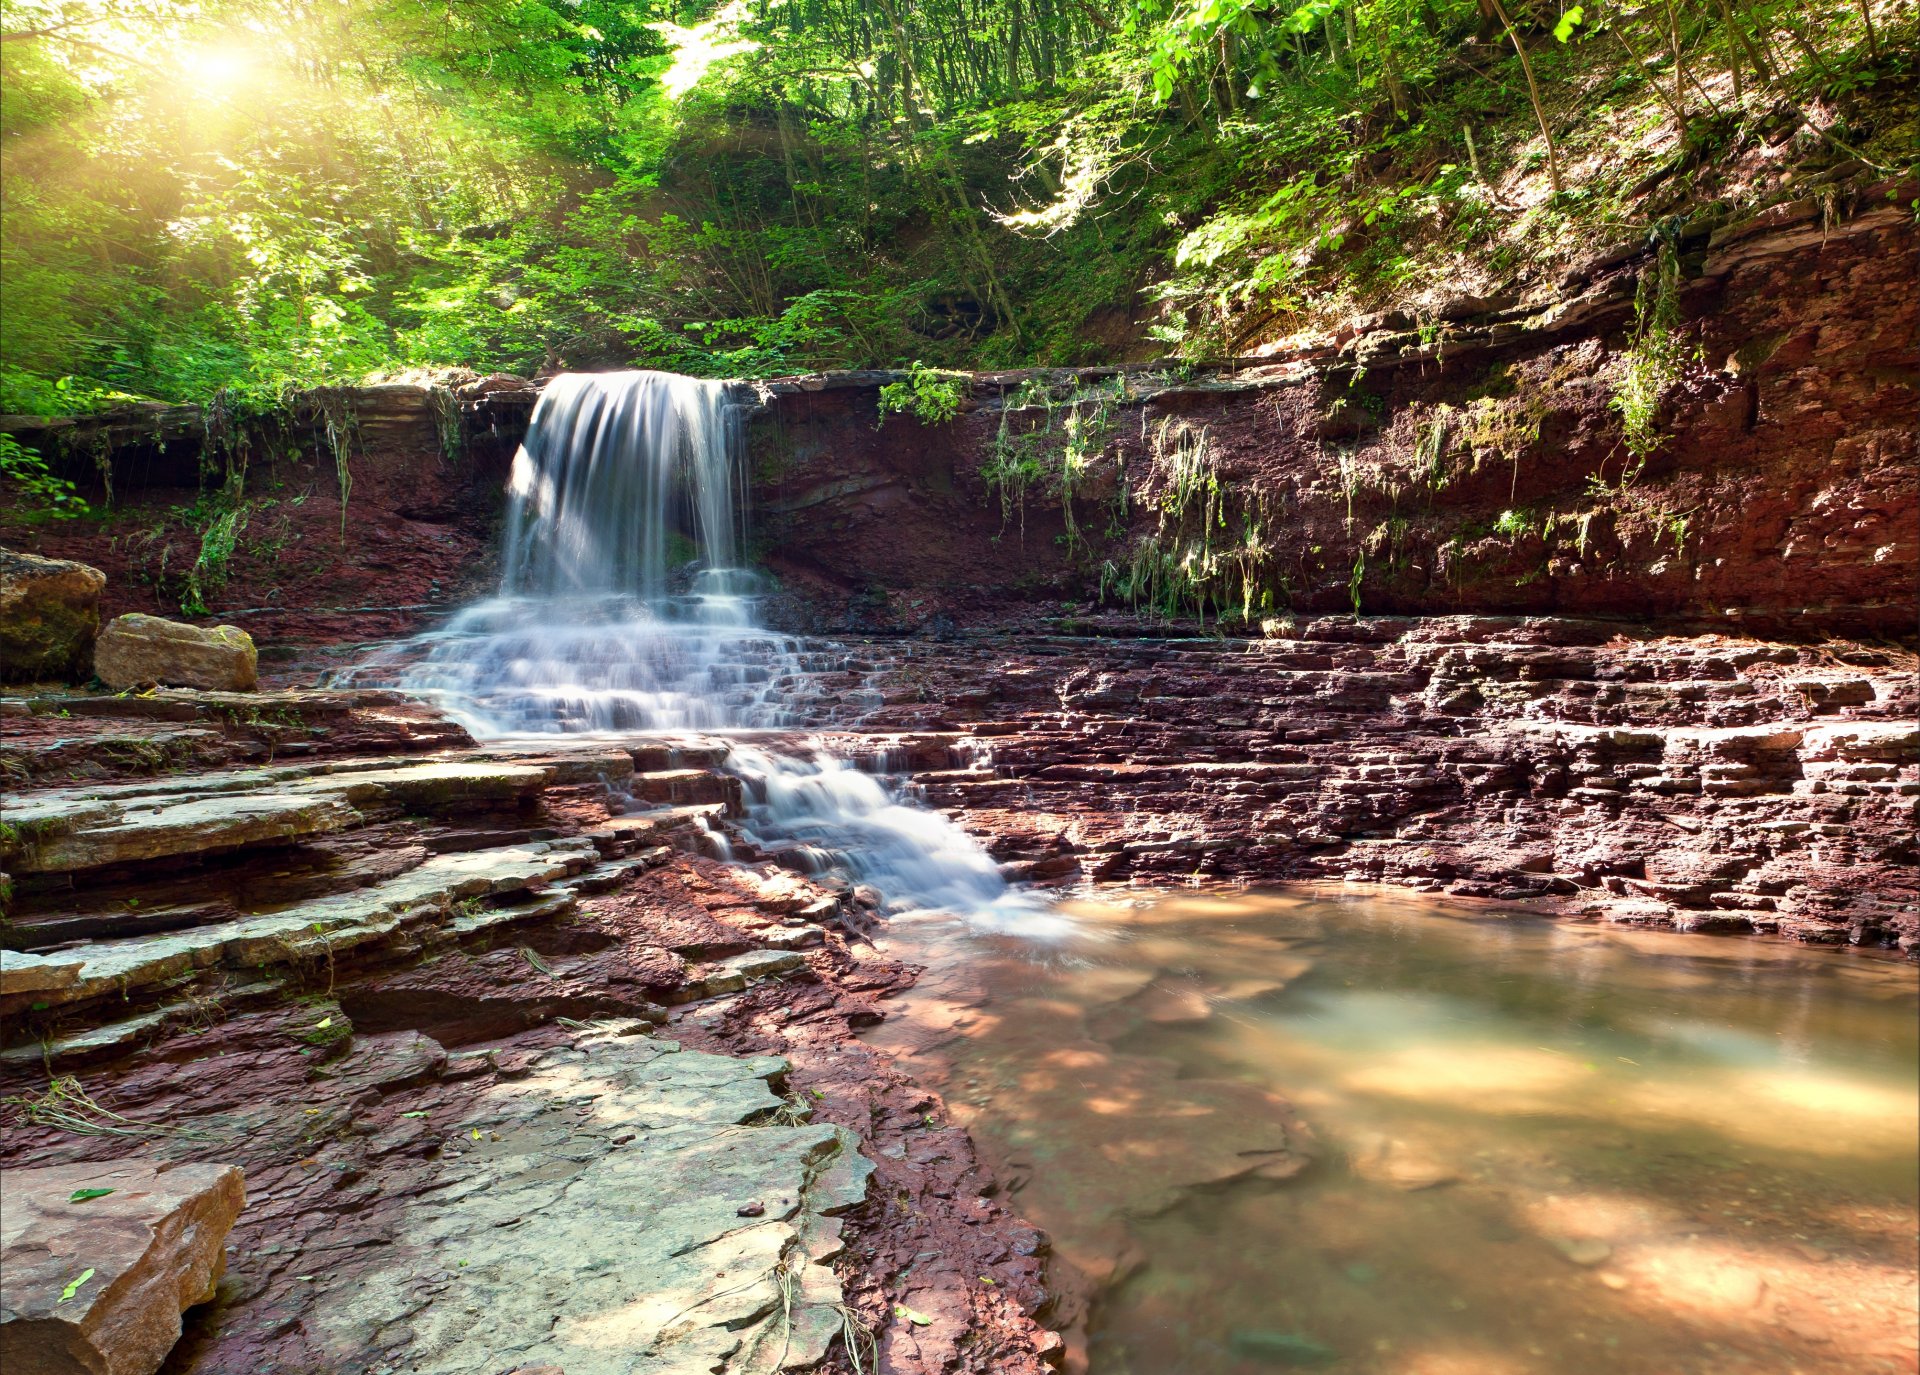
[1482, 464]
[458, 1013]
[1703, 783]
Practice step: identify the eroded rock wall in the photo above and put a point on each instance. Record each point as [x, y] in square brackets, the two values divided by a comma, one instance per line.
[350, 516]
[1471, 465]
[1703, 783]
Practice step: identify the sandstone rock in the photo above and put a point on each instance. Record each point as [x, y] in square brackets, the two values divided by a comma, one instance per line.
[591, 1217]
[423, 897]
[136, 649]
[49, 615]
[24, 973]
[99, 1285]
[192, 826]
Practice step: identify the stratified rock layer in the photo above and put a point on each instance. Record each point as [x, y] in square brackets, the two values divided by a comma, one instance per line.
[98, 1261]
[1711, 784]
[381, 981]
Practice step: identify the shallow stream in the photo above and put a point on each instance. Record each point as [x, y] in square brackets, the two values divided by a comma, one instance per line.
[1364, 1133]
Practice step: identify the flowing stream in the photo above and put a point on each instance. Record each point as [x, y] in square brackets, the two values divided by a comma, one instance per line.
[1363, 1133]
[1271, 1132]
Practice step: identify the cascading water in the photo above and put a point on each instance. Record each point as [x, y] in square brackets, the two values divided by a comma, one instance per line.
[624, 607]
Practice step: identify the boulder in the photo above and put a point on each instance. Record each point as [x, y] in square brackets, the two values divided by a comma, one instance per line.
[49, 615]
[98, 1283]
[136, 649]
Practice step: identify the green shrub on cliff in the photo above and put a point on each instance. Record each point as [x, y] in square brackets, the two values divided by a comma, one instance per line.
[929, 395]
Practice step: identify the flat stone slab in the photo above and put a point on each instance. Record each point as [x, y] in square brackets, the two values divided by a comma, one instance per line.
[98, 1283]
[65, 837]
[429, 785]
[423, 896]
[85, 828]
[734, 973]
[24, 973]
[628, 1208]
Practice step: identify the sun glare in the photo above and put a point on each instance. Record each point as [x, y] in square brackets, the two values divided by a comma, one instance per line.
[220, 67]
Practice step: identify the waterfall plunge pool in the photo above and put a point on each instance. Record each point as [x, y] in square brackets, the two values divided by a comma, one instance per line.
[1368, 1133]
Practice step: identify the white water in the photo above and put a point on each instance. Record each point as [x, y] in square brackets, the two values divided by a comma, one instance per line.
[623, 605]
[624, 608]
[847, 821]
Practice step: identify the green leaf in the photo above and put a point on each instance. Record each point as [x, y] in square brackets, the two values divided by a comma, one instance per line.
[82, 1195]
[900, 1310]
[73, 1285]
[1570, 21]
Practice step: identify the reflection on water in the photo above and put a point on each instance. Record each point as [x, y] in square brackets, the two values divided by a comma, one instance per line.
[1360, 1134]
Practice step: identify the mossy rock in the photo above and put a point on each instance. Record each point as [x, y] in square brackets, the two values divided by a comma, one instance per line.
[49, 616]
[135, 650]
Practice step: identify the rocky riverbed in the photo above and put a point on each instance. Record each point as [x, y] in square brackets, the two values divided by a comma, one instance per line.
[445, 1004]
[455, 1014]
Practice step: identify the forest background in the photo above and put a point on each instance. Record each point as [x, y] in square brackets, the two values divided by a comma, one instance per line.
[216, 202]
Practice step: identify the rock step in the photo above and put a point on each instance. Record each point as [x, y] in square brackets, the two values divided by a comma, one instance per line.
[110, 1040]
[682, 828]
[720, 977]
[56, 839]
[423, 900]
[73, 830]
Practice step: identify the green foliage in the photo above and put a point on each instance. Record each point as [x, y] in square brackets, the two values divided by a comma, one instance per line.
[1051, 452]
[1191, 565]
[26, 471]
[1652, 362]
[217, 543]
[929, 395]
[229, 198]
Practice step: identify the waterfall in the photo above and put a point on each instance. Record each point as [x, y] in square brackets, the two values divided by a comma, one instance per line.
[610, 461]
[624, 606]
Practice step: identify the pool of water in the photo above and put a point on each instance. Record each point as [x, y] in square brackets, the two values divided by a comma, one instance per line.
[1358, 1132]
